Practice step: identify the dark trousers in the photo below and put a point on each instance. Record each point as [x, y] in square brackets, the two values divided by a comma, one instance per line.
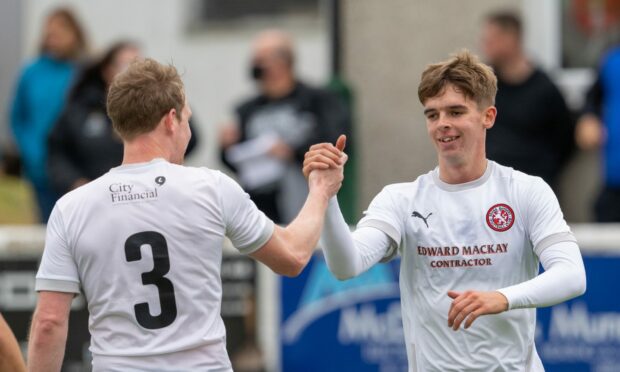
[607, 206]
[268, 204]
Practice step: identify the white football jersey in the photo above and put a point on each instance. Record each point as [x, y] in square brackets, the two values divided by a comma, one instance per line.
[144, 242]
[482, 235]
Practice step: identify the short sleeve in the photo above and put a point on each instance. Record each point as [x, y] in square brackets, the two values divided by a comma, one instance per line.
[58, 270]
[544, 219]
[246, 226]
[383, 214]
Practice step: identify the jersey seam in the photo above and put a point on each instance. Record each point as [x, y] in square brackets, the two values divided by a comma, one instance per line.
[261, 241]
[522, 209]
[376, 224]
[58, 285]
[401, 227]
[65, 237]
[555, 238]
[220, 202]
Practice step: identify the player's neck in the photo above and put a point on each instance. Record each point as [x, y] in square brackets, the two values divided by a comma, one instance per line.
[462, 173]
[143, 150]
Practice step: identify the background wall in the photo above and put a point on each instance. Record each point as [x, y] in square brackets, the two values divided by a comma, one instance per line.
[397, 42]
[385, 51]
[385, 46]
[10, 56]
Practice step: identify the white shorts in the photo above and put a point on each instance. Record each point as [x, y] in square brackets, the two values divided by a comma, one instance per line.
[211, 358]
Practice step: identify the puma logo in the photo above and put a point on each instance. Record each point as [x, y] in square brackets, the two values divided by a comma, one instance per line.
[416, 214]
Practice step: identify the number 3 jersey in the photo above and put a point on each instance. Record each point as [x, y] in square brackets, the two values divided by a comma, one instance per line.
[144, 242]
[483, 235]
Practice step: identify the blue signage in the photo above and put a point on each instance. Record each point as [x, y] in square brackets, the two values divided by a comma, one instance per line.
[332, 325]
[583, 335]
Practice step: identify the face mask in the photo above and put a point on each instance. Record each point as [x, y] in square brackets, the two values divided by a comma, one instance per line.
[257, 72]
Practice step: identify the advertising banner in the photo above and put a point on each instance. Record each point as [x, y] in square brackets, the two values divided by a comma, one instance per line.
[332, 325]
[356, 325]
[583, 335]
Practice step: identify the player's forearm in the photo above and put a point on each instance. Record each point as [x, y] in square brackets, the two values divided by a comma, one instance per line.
[343, 259]
[563, 279]
[350, 254]
[46, 346]
[302, 234]
[10, 355]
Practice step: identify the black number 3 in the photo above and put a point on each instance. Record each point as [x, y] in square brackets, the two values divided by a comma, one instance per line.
[156, 277]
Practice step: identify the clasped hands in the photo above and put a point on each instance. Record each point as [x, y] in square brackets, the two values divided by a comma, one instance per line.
[328, 161]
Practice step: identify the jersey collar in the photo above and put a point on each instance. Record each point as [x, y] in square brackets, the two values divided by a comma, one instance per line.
[133, 166]
[463, 186]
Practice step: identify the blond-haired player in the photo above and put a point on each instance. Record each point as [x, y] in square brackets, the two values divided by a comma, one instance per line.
[144, 242]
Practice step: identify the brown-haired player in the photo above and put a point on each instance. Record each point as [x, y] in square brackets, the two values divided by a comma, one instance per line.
[470, 233]
[144, 242]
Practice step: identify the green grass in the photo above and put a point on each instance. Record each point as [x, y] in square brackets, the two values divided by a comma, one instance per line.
[17, 205]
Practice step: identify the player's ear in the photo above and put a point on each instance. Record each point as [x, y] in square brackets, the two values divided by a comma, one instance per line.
[488, 118]
[169, 120]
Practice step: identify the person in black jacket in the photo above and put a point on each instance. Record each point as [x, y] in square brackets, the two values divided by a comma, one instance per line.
[83, 144]
[534, 131]
[274, 129]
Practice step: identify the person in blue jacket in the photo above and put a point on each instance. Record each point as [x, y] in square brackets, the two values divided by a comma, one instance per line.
[40, 96]
[599, 127]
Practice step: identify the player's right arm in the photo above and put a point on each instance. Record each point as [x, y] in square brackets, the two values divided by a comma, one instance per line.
[10, 356]
[289, 249]
[285, 250]
[564, 276]
[347, 253]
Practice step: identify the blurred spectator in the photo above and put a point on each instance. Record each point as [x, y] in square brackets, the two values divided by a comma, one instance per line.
[600, 126]
[82, 143]
[533, 132]
[40, 96]
[274, 129]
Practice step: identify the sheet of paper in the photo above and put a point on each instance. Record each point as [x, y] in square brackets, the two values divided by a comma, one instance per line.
[256, 168]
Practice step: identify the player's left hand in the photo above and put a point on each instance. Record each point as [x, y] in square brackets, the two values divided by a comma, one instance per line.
[325, 156]
[471, 304]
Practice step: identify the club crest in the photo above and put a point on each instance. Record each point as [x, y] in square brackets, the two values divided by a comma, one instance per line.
[500, 217]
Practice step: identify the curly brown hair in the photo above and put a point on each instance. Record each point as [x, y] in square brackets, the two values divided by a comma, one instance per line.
[465, 72]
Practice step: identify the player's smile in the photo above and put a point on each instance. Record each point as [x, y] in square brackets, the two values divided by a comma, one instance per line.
[449, 139]
[448, 142]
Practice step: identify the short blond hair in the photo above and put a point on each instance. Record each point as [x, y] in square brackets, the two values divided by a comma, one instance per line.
[139, 97]
[464, 70]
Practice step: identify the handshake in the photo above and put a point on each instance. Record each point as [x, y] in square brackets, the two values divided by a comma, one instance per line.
[323, 166]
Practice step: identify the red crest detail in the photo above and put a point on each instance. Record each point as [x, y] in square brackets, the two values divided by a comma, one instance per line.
[500, 217]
